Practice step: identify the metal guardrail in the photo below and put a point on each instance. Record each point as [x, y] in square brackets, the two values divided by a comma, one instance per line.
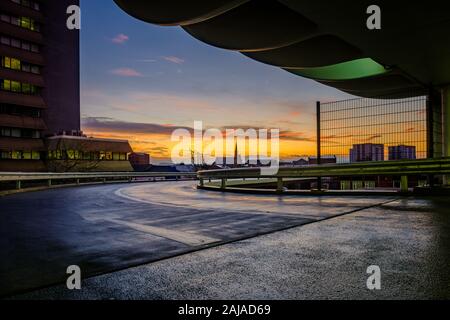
[19, 177]
[403, 168]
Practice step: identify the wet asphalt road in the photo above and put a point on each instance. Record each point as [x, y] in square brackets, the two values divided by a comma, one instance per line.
[105, 228]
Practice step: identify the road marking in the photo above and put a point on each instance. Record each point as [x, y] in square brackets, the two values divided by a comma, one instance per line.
[188, 238]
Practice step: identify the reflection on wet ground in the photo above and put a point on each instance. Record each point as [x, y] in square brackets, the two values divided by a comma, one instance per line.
[106, 228]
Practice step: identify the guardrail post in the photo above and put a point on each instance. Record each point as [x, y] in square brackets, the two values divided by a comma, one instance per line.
[78, 182]
[202, 182]
[18, 184]
[49, 183]
[446, 127]
[223, 184]
[404, 184]
[280, 185]
[319, 147]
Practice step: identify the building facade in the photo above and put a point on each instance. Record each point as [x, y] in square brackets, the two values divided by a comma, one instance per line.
[367, 152]
[139, 159]
[402, 152]
[39, 84]
[80, 154]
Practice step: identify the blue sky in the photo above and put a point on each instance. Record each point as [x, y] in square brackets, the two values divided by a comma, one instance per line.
[134, 74]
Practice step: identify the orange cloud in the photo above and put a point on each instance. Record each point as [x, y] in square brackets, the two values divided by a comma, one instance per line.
[126, 72]
[120, 39]
[174, 59]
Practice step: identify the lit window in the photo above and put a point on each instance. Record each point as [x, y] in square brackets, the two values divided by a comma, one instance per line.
[16, 155]
[71, 154]
[15, 64]
[6, 85]
[26, 88]
[26, 23]
[15, 86]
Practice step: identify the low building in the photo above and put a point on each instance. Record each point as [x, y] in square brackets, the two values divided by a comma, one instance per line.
[323, 160]
[140, 162]
[367, 152]
[78, 154]
[300, 162]
[139, 159]
[402, 152]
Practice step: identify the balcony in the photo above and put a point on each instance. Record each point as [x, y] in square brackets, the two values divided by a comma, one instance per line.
[20, 144]
[19, 99]
[17, 121]
[21, 33]
[23, 55]
[24, 77]
[18, 10]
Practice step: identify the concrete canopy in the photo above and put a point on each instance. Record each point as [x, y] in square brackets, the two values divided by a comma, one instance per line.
[325, 40]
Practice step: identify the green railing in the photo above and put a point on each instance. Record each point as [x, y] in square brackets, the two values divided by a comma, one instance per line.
[403, 168]
[88, 177]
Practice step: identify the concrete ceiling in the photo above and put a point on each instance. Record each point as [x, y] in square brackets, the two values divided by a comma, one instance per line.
[325, 40]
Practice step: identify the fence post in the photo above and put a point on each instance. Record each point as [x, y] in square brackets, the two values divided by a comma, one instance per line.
[404, 184]
[446, 128]
[280, 185]
[319, 155]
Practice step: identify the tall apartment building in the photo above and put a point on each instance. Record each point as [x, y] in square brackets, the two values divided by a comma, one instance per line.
[40, 89]
[402, 152]
[367, 152]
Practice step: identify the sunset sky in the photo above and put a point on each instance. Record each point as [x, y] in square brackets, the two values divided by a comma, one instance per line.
[140, 82]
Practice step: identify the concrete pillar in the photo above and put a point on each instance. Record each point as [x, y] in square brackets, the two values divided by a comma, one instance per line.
[404, 184]
[446, 127]
[280, 185]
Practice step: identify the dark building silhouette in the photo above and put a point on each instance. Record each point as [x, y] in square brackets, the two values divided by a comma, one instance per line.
[402, 152]
[39, 78]
[139, 159]
[40, 88]
[367, 152]
[323, 160]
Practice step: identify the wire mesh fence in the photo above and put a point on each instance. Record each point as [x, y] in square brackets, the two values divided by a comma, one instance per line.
[374, 129]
